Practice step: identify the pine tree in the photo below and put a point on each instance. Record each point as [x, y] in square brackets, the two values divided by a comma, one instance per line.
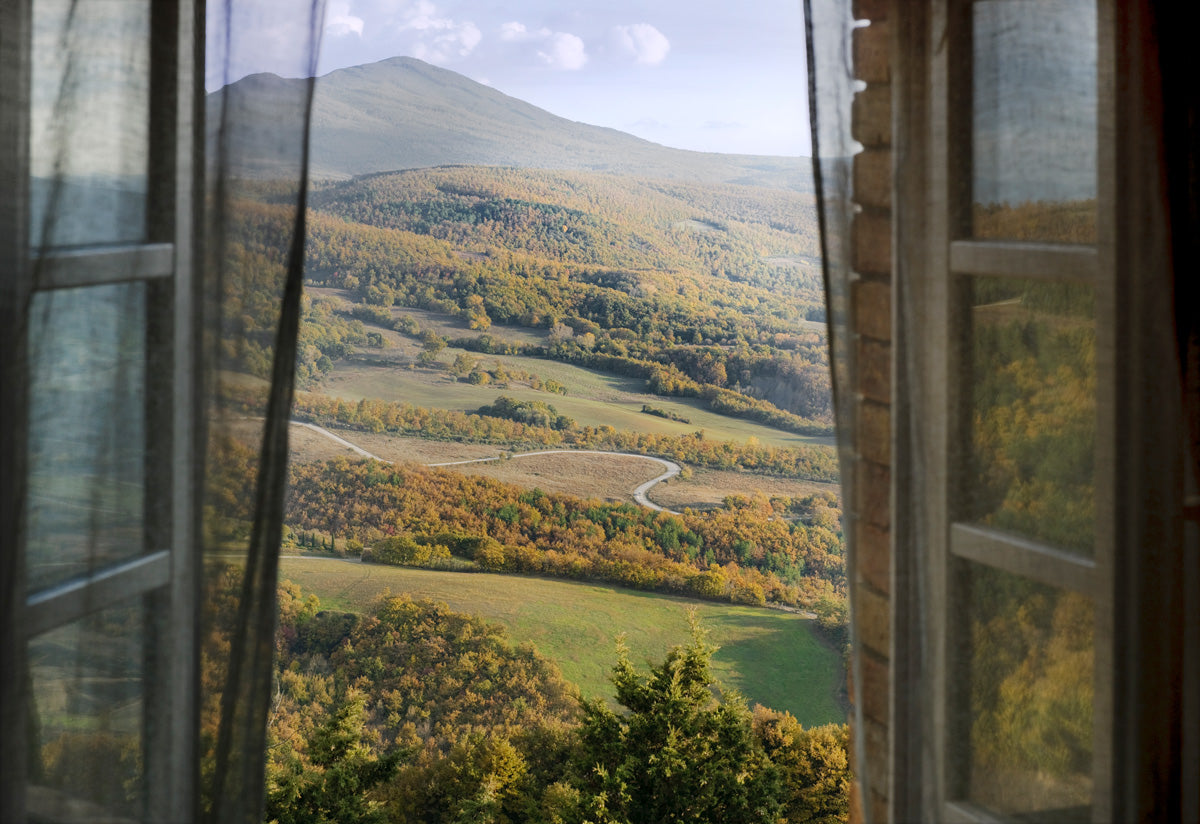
[680, 753]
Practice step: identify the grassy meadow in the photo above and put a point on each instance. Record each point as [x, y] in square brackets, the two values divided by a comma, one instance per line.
[772, 657]
[593, 399]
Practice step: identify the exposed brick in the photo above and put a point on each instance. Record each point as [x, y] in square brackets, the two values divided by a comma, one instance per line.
[872, 302]
[879, 807]
[875, 677]
[871, 614]
[873, 178]
[871, 52]
[875, 371]
[874, 490]
[875, 432]
[855, 815]
[871, 9]
[871, 236]
[873, 551]
[876, 736]
[871, 116]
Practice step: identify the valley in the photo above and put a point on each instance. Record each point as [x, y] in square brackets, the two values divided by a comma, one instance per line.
[528, 320]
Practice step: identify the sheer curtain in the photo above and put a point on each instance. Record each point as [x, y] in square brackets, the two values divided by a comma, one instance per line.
[144, 264]
[831, 90]
[256, 225]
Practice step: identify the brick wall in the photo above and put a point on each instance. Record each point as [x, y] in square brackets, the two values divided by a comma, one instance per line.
[871, 321]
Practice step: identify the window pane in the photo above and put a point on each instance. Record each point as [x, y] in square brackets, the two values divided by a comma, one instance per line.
[90, 121]
[1032, 362]
[86, 680]
[87, 430]
[1034, 120]
[1028, 736]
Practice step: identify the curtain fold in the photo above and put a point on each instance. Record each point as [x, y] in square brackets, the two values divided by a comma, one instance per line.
[831, 87]
[256, 226]
[95, 192]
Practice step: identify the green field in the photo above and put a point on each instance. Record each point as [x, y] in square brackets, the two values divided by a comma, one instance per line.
[594, 399]
[771, 657]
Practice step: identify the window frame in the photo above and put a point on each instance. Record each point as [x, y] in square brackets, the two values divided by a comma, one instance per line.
[166, 574]
[955, 543]
[1138, 479]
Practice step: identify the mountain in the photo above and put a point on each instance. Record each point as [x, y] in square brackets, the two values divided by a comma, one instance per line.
[402, 113]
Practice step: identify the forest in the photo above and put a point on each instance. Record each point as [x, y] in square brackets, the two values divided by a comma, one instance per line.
[412, 712]
[702, 291]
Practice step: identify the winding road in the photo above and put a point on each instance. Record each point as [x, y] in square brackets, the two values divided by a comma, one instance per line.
[640, 494]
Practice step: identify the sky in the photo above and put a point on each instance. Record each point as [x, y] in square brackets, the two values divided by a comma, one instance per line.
[691, 74]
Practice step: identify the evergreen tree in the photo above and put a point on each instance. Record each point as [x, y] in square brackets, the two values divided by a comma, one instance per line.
[334, 786]
[680, 753]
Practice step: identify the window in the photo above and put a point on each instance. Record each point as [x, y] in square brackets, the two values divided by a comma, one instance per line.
[98, 575]
[1046, 533]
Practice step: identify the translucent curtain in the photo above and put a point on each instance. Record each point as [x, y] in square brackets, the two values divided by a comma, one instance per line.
[97, 229]
[255, 256]
[831, 89]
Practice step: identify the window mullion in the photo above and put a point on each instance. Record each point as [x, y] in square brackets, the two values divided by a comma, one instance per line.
[1025, 260]
[1029, 559]
[15, 44]
[71, 268]
[74, 599]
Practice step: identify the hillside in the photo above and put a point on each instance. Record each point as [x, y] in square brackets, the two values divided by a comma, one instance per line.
[702, 290]
[402, 113]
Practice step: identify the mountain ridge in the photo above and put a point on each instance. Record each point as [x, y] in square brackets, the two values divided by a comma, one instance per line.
[402, 113]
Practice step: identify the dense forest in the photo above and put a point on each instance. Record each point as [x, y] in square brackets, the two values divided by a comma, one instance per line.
[416, 713]
[702, 291]
[750, 551]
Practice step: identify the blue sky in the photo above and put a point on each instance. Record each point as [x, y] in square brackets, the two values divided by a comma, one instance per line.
[694, 74]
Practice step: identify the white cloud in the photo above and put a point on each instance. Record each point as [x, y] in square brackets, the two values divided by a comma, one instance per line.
[647, 44]
[557, 49]
[513, 31]
[339, 22]
[564, 51]
[440, 39]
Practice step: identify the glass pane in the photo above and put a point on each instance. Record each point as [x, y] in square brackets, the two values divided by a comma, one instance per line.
[1034, 120]
[87, 430]
[86, 681]
[1032, 374]
[90, 121]
[1028, 736]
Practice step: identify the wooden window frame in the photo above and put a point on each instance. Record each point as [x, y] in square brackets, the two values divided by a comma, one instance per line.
[166, 574]
[1139, 485]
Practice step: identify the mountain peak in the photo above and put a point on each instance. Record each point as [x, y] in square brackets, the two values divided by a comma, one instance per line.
[404, 113]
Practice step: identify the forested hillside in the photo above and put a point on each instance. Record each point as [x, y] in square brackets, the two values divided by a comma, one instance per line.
[416, 713]
[574, 288]
[702, 291]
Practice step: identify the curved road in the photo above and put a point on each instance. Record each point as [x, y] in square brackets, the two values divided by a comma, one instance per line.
[671, 468]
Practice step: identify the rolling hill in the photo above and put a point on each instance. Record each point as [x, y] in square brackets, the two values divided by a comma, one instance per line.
[402, 113]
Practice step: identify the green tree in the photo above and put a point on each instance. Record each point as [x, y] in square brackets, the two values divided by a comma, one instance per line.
[463, 364]
[814, 764]
[679, 753]
[334, 785]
